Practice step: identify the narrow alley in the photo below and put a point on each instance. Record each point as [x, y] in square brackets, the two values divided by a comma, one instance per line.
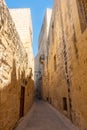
[43, 54]
[43, 116]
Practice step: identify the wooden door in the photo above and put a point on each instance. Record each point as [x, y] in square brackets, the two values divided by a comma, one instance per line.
[22, 102]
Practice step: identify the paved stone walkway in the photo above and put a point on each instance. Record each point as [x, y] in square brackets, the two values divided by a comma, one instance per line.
[42, 116]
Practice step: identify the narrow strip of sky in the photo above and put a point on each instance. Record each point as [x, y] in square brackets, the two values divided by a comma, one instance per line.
[38, 8]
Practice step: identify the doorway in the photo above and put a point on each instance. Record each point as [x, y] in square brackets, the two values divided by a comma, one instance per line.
[22, 101]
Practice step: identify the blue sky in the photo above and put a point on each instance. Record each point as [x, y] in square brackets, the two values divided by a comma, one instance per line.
[38, 8]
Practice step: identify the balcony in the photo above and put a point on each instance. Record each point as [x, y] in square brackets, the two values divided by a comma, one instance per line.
[42, 58]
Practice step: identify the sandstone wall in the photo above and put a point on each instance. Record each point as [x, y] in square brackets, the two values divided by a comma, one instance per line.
[24, 28]
[14, 72]
[47, 20]
[67, 56]
[43, 52]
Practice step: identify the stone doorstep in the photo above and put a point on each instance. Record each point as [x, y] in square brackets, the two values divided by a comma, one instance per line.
[17, 123]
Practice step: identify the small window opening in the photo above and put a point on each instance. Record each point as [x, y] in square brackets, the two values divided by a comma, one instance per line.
[82, 10]
[65, 103]
[55, 62]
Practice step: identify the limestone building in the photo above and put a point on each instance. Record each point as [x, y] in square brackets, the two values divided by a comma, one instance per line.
[16, 79]
[66, 89]
[42, 52]
[38, 78]
[24, 28]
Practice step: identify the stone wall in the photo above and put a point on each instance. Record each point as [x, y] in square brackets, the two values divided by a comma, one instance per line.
[14, 73]
[24, 28]
[67, 60]
[42, 52]
[36, 75]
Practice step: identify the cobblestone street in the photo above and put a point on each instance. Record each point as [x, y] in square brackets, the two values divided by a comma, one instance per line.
[43, 116]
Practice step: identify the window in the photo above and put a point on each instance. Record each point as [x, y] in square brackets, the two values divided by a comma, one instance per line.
[82, 9]
[55, 62]
[65, 103]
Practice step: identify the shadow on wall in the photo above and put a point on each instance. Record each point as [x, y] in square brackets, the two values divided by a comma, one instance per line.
[15, 99]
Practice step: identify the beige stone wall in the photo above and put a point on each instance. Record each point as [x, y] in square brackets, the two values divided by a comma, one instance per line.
[24, 28]
[42, 52]
[29, 95]
[47, 20]
[37, 76]
[36, 68]
[67, 76]
[14, 71]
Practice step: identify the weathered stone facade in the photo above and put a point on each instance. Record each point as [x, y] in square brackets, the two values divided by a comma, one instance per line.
[67, 60]
[42, 53]
[24, 28]
[38, 77]
[16, 80]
